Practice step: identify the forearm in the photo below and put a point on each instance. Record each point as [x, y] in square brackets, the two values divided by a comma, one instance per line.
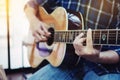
[105, 57]
[31, 9]
[108, 57]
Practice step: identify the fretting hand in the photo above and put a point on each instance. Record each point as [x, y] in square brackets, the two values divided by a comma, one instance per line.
[87, 52]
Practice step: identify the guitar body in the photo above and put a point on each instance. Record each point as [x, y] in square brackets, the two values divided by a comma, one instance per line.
[58, 53]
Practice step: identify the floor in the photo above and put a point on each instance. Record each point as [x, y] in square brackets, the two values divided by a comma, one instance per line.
[18, 76]
[21, 74]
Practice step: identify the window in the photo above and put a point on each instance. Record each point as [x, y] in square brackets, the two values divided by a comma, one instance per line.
[18, 27]
[3, 35]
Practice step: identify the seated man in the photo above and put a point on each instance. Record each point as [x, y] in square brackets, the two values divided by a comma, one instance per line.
[102, 64]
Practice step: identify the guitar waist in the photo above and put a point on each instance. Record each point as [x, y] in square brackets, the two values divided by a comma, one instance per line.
[71, 59]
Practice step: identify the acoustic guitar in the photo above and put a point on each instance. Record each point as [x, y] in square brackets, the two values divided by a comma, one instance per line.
[64, 27]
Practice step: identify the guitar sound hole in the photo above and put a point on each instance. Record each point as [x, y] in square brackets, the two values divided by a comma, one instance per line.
[51, 38]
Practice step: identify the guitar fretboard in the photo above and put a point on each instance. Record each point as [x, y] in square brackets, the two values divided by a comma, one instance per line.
[110, 36]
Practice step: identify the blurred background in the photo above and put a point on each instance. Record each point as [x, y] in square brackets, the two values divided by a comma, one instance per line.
[13, 28]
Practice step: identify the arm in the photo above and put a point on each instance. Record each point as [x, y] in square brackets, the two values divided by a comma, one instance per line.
[92, 54]
[36, 26]
[31, 9]
[36, 29]
[109, 57]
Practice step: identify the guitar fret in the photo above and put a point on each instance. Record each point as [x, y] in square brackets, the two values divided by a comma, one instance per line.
[83, 32]
[112, 37]
[69, 36]
[100, 38]
[63, 36]
[107, 36]
[78, 33]
[66, 37]
[55, 36]
[116, 36]
[97, 37]
[59, 38]
[72, 36]
[118, 39]
[93, 35]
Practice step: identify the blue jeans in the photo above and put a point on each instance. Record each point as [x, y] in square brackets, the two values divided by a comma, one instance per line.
[93, 76]
[51, 73]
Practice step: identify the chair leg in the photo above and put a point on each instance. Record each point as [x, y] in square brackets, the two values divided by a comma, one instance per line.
[2, 74]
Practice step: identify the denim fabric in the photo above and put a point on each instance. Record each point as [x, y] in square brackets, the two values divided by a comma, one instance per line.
[101, 69]
[51, 73]
[93, 76]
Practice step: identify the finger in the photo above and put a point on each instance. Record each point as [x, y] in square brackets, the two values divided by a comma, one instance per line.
[89, 42]
[78, 45]
[47, 33]
[82, 40]
[37, 40]
[77, 52]
[40, 31]
[78, 39]
[77, 49]
[39, 37]
[80, 35]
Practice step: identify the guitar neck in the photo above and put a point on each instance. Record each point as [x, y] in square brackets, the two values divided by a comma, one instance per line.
[104, 37]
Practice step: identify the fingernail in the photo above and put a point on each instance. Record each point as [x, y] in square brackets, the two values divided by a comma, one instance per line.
[89, 29]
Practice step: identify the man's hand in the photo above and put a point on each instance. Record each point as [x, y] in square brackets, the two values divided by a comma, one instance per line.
[87, 52]
[40, 31]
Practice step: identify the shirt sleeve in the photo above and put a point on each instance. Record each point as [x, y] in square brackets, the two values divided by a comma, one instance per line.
[115, 48]
[41, 2]
[49, 5]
